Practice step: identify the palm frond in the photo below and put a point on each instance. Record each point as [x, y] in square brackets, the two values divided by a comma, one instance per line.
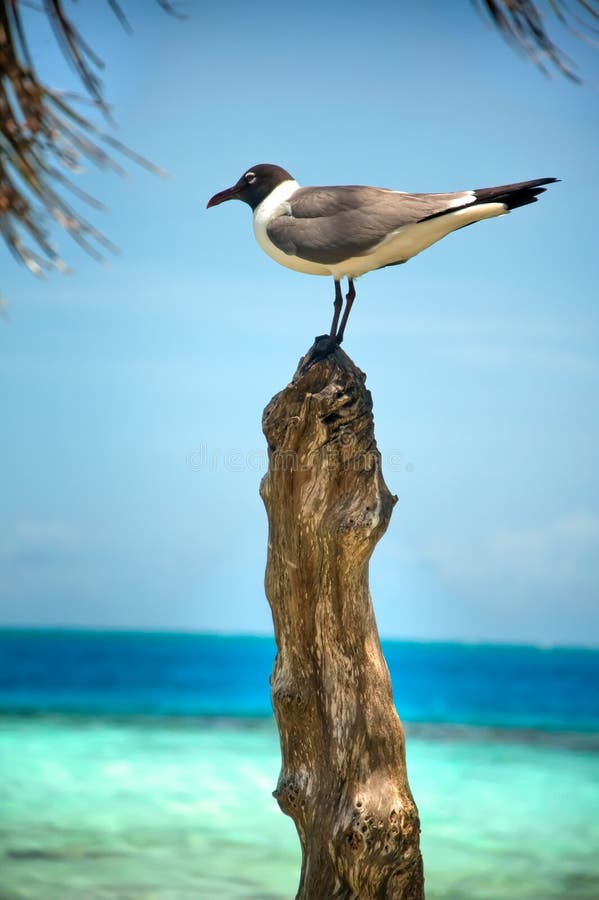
[523, 24]
[45, 138]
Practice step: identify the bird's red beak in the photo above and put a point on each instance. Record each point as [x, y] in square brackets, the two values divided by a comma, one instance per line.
[231, 193]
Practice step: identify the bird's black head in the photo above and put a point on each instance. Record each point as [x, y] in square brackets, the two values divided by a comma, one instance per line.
[253, 186]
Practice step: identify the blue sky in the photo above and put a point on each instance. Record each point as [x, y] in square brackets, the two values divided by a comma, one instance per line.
[133, 392]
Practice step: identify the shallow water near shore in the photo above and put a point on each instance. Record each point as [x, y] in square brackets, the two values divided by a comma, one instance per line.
[159, 809]
[160, 806]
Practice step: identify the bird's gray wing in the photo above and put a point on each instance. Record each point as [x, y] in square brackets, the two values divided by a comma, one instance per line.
[331, 224]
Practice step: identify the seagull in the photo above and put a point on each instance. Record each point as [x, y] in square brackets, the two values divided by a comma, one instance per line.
[347, 230]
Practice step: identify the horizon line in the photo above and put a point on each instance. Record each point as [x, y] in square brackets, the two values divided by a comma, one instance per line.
[233, 635]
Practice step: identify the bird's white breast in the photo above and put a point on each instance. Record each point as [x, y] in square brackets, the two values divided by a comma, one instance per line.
[276, 205]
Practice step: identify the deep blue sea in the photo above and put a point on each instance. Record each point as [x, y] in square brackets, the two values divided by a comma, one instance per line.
[141, 766]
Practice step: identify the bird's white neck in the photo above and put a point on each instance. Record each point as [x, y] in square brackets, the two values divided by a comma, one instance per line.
[279, 195]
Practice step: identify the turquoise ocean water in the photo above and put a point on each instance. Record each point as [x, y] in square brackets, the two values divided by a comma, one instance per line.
[141, 766]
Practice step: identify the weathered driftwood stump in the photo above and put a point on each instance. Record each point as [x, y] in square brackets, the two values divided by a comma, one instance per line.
[343, 779]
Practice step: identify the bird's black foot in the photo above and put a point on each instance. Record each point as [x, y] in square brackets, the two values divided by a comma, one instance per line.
[326, 339]
[322, 347]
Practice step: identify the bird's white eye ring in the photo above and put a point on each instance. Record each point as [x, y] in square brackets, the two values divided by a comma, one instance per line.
[250, 177]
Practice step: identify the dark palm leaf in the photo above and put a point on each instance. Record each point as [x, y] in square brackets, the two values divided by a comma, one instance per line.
[522, 23]
[43, 138]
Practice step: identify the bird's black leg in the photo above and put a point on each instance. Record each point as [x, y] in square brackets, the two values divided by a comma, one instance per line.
[338, 303]
[324, 344]
[349, 299]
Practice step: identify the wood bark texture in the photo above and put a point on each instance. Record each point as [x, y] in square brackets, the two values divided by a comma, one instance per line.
[343, 779]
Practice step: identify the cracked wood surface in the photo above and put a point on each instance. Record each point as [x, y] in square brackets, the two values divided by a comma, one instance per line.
[343, 779]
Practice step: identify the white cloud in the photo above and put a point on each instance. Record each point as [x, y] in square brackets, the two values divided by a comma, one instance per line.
[496, 342]
[561, 555]
[39, 543]
[517, 356]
